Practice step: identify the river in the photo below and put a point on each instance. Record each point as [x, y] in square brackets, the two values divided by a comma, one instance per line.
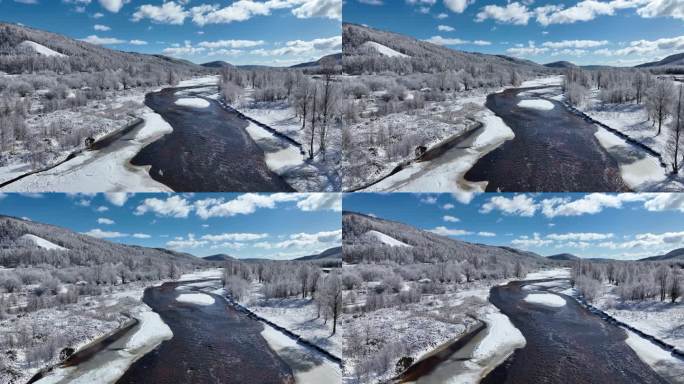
[566, 344]
[208, 150]
[553, 150]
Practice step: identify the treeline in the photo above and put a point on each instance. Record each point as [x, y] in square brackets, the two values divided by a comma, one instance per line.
[316, 99]
[664, 102]
[633, 281]
[280, 280]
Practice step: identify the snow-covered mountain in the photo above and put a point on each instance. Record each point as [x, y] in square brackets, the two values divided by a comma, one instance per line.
[383, 50]
[24, 49]
[40, 49]
[364, 46]
[365, 237]
[42, 243]
[384, 239]
[29, 243]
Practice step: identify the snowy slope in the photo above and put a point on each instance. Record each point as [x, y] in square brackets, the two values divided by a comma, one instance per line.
[388, 240]
[383, 50]
[42, 243]
[40, 49]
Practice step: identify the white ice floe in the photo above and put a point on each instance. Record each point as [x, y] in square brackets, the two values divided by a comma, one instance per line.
[547, 299]
[40, 49]
[195, 298]
[542, 105]
[306, 364]
[193, 102]
[278, 154]
[385, 239]
[657, 358]
[42, 243]
[501, 335]
[151, 330]
[383, 50]
[637, 168]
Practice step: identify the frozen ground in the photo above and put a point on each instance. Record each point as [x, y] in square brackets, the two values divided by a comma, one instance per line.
[303, 174]
[107, 170]
[297, 315]
[445, 173]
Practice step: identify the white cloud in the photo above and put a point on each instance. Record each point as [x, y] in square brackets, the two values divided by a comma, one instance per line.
[665, 202]
[117, 198]
[243, 10]
[113, 5]
[100, 27]
[102, 208]
[186, 243]
[104, 220]
[242, 205]
[331, 9]
[94, 39]
[141, 236]
[167, 13]
[310, 240]
[589, 204]
[315, 47]
[137, 42]
[513, 13]
[575, 44]
[579, 236]
[457, 6]
[174, 206]
[663, 8]
[442, 16]
[444, 231]
[230, 43]
[448, 206]
[235, 237]
[534, 241]
[486, 234]
[321, 201]
[450, 219]
[100, 234]
[439, 40]
[98, 15]
[445, 28]
[519, 205]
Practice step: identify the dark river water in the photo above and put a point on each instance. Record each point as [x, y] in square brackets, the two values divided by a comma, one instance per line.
[210, 344]
[208, 150]
[553, 151]
[565, 345]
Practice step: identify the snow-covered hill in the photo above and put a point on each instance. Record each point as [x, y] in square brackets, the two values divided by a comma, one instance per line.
[383, 50]
[42, 243]
[40, 49]
[388, 240]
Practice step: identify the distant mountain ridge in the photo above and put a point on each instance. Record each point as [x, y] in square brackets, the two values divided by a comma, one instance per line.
[219, 257]
[330, 253]
[563, 257]
[425, 246]
[675, 254]
[672, 60]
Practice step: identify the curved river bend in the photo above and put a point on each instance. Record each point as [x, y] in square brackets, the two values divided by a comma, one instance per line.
[209, 149]
[565, 344]
[553, 150]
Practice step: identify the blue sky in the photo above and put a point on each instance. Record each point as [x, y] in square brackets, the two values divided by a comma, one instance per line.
[278, 226]
[615, 32]
[278, 33]
[620, 226]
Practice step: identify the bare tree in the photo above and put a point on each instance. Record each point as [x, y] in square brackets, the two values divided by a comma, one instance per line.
[659, 100]
[674, 141]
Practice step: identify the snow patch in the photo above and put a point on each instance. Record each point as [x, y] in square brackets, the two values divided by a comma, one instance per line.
[383, 50]
[192, 102]
[42, 243]
[547, 299]
[539, 104]
[195, 298]
[152, 330]
[502, 335]
[40, 49]
[387, 240]
[559, 273]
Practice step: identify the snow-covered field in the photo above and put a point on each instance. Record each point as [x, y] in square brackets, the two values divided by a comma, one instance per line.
[108, 170]
[319, 174]
[300, 316]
